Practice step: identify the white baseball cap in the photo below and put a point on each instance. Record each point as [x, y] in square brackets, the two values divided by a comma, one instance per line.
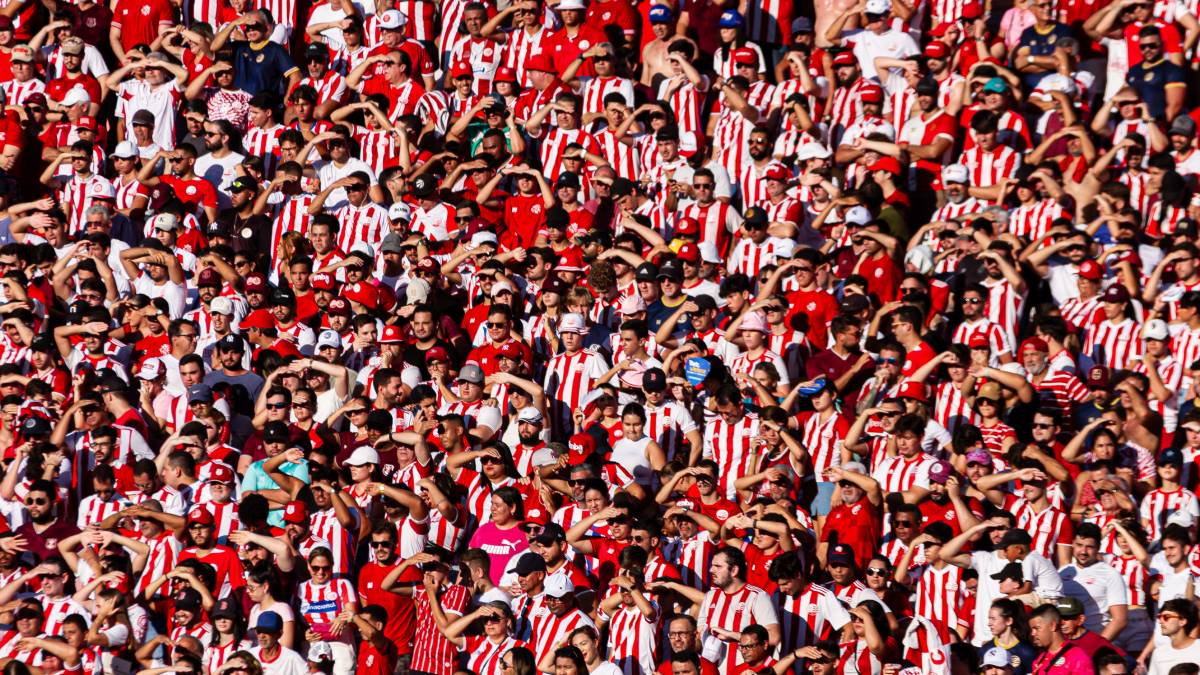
[572, 323]
[102, 190]
[75, 96]
[570, 4]
[858, 215]
[996, 657]
[1156, 329]
[221, 305]
[813, 150]
[399, 210]
[151, 369]
[329, 338]
[559, 586]
[361, 456]
[955, 173]
[125, 150]
[392, 19]
[879, 6]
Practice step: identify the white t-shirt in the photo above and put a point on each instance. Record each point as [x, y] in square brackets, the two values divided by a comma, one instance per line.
[986, 563]
[1166, 657]
[869, 45]
[175, 294]
[221, 173]
[1098, 587]
[288, 662]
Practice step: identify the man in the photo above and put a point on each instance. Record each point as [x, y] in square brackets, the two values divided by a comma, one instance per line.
[684, 638]
[1161, 84]
[274, 657]
[231, 351]
[48, 522]
[260, 65]
[1178, 620]
[554, 621]
[876, 39]
[571, 374]
[1071, 611]
[1096, 584]
[726, 439]
[730, 605]
[809, 612]
[224, 560]
[1058, 653]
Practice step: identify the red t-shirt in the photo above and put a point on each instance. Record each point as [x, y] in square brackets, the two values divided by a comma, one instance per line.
[857, 525]
[883, 277]
[197, 191]
[757, 566]
[139, 20]
[402, 613]
[819, 306]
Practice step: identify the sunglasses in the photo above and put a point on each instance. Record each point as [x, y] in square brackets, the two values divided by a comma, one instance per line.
[876, 571]
[36, 501]
[278, 406]
[1042, 425]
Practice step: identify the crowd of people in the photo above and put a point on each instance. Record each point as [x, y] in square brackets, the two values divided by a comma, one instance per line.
[671, 337]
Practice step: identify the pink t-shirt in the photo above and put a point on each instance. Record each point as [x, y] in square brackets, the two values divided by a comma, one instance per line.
[501, 546]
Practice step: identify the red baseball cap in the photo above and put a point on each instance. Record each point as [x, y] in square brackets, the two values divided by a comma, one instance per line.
[871, 93]
[844, 59]
[687, 226]
[259, 318]
[1034, 344]
[87, 122]
[323, 281]
[461, 69]
[580, 446]
[937, 50]
[745, 55]
[505, 74]
[689, 252]
[437, 354]
[364, 294]
[537, 516]
[338, 307]
[972, 10]
[255, 282]
[1090, 269]
[940, 29]
[913, 390]
[220, 473]
[391, 335]
[776, 172]
[295, 512]
[978, 341]
[199, 514]
[889, 164]
[540, 61]
[511, 350]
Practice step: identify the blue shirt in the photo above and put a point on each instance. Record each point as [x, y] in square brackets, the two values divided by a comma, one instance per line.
[262, 69]
[1151, 81]
[257, 479]
[1041, 44]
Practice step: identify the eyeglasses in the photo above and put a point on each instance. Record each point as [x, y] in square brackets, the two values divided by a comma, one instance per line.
[751, 645]
[174, 160]
[889, 413]
[320, 568]
[876, 571]
[497, 325]
[358, 187]
[188, 336]
[973, 301]
[198, 526]
[1149, 45]
[846, 484]
[805, 268]
[383, 544]
[702, 186]
[889, 360]
[1168, 616]
[464, 219]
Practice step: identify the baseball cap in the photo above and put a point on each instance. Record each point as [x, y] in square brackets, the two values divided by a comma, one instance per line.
[269, 622]
[530, 414]
[1116, 293]
[840, 554]
[338, 307]
[654, 380]
[936, 50]
[913, 390]
[392, 19]
[979, 457]
[940, 472]
[1097, 377]
[529, 563]
[256, 282]
[436, 354]
[296, 511]
[660, 14]
[730, 18]
[996, 85]
[878, 6]
[551, 533]
[580, 446]
[572, 323]
[471, 373]
[956, 173]
[200, 392]
[329, 338]
[871, 93]
[1068, 607]
[152, 369]
[745, 55]
[990, 391]
[1033, 344]
[1170, 456]
[996, 657]
[1090, 269]
[1012, 570]
[188, 600]
[362, 456]
[1156, 329]
[231, 343]
[199, 514]
[632, 304]
[559, 586]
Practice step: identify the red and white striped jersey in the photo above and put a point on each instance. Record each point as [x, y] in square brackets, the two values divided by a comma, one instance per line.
[1030, 221]
[483, 655]
[945, 10]
[554, 145]
[93, 509]
[325, 525]
[128, 190]
[951, 210]
[845, 110]
[1004, 306]
[521, 45]
[718, 221]
[432, 652]
[331, 87]
[898, 108]
[1013, 131]
[623, 157]
[1163, 220]
[76, 193]
[202, 631]
[57, 611]
[216, 655]
[598, 88]
[1159, 504]
[633, 640]
[733, 612]
[160, 560]
[320, 604]
[939, 595]
[1134, 575]
[549, 630]
[1170, 371]
[17, 92]
[1185, 343]
[897, 474]
[1114, 345]
[808, 617]
[667, 425]
[365, 224]
[483, 55]
[748, 257]
[1049, 528]
[1082, 314]
[988, 168]
[951, 407]
[1138, 184]
[569, 377]
[264, 143]
[685, 103]
[823, 439]
[745, 364]
[985, 328]
[1061, 390]
[729, 445]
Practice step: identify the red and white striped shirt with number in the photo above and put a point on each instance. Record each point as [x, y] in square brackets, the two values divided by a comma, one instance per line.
[1114, 345]
[1159, 504]
[1135, 577]
[622, 156]
[1048, 528]
[364, 224]
[521, 45]
[950, 407]
[988, 168]
[729, 445]
[939, 594]
[549, 630]
[554, 145]
[718, 221]
[984, 328]
[432, 652]
[823, 439]
[483, 655]
[733, 612]
[808, 617]
[633, 640]
[1030, 221]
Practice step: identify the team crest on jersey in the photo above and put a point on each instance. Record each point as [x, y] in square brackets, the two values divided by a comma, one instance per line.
[878, 272]
[812, 306]
[723, 514]
[259, 58]
[950, 516]
[487, 51]
[855, 509]
[584, 44]
[1060, 661]
[146, 10]
[191, 189]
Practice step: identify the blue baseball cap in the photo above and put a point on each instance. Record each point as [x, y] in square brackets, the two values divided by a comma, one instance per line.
[731, 18]
[996, 85]
[269, 622]
[660, 14]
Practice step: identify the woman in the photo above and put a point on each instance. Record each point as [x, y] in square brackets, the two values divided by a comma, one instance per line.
[879, 575]
[732, 32]
[1106, 460]
[518, 661]
[600, 407]
[1010, 630]
[867, 648]
[111, 631]
[485, 653]
[585, 643]
[781, 459]
[1133, 563]
[998, 437]
[320, 600]
[503, 531]
[228, 636]
[262, 587]
[1117, 339]
[636, 451]
[496, 470]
